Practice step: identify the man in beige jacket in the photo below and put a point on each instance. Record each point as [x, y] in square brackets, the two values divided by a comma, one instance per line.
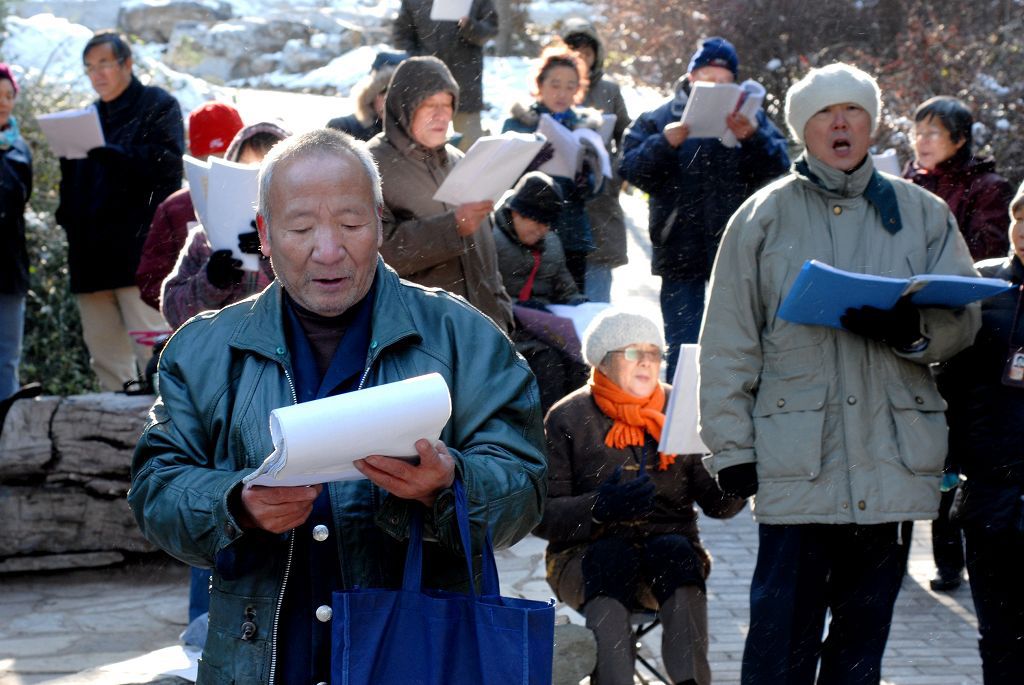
[840, 432]
[426, 241]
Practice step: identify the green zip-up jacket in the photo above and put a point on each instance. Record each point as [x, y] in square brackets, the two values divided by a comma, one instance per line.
[222, 373]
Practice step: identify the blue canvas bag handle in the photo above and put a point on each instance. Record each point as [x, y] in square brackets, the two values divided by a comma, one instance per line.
[412, 579]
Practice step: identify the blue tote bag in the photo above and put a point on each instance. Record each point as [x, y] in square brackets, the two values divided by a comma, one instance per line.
[416, 636]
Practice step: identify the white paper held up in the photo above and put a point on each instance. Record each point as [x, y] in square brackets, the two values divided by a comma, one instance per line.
[197, 173]
[887, 161]
[316, 442]
[491, 166]
[72, 133]
[231, 207]
[449, 10]
[569, 148]
[680, 434]
[710, 103]
[580, 314]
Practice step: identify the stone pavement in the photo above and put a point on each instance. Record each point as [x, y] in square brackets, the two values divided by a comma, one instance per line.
[55, 627]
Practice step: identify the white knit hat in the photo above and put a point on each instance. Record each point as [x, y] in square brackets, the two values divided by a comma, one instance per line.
[614, 329]
[832, 85]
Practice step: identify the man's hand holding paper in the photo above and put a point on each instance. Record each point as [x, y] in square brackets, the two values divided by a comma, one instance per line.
[421, 482]
[276, 510]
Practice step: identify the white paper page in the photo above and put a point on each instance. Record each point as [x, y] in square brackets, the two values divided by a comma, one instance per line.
[753, 94]
[887, 162]
[708, 106]
[491, 166]
[607, 128]
[580, 314]
[72, 133]
[231, 207]
[316, 442]
[594, 138]
[450, 10]
[567, 148]
[197, 173]
[680, 434]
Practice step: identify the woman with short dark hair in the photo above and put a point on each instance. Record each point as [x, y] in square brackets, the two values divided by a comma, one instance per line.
[945, 164]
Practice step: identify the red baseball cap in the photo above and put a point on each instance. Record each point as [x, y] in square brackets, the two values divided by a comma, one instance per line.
[211, 126]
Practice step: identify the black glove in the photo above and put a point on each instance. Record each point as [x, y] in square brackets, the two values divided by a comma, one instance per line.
[223, 270]
[249, 243]
[106, 154]
[532, 303]
[623, 501]
[739, 480]
[899, 327]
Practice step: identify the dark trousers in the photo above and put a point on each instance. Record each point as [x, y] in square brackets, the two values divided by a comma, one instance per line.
[804, 570]
[617, 567]
[682, 307]
[576, 262]
[994, 563]
[947, 539]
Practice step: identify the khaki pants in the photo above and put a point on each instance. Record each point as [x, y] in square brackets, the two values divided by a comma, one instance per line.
[468, 124]
[107, 318]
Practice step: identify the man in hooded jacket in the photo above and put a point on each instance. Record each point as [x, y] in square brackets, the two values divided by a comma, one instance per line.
[426, 241]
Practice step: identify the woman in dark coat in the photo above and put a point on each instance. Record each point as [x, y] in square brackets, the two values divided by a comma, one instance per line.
[15, 189]
[945, 164]
[984, 386]
[560, 84]
[619, 518]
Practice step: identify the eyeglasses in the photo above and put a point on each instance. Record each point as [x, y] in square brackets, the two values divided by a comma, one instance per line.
[104, 65]
[635, 354]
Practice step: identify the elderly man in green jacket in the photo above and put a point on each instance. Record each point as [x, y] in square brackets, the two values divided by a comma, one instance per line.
[840, 432]
[335, 320]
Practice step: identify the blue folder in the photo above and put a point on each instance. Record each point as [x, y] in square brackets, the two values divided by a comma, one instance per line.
[822, 293]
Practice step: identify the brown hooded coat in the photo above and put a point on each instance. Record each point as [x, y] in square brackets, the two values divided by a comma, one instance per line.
[421, 240]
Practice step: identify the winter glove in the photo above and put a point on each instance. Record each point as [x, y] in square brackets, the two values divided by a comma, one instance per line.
[533, 303]
[249, 243]
[106, 154]
[899, 327]
[623, 501]
[739, 480]
[223, 270]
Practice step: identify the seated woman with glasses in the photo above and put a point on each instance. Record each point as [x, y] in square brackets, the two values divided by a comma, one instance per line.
[619, 518]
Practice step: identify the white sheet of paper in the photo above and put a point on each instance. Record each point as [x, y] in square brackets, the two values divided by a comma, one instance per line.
[580, 314]
[197, 173]
[753, 94]
[708, 106]
[607, 127]
[887, 161]
[450, 10]
[72, 133]
[680, 434]
[567, 148]
[316, 442]
[491, 166]
[231, 207]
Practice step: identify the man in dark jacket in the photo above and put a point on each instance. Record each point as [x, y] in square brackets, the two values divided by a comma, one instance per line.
[695, 184]
[460, 45]
[107, 202]
[336, 319]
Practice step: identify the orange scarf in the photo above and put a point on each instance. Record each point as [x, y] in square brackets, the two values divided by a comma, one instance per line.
[632, 415]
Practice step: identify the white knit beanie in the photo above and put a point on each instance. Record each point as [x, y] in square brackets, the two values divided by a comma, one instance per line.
[832, 85]
[614, 329]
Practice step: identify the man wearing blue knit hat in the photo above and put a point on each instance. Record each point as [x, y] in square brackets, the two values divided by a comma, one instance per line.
[695, 184]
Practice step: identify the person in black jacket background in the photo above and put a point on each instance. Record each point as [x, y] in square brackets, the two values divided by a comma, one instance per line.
[984, 386]
[15, 189]
[107, 202]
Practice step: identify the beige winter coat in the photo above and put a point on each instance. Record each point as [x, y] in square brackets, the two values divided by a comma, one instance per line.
[842, 429]
[421, 240]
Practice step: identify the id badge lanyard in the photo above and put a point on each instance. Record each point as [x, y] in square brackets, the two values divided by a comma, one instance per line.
[1013, 374]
